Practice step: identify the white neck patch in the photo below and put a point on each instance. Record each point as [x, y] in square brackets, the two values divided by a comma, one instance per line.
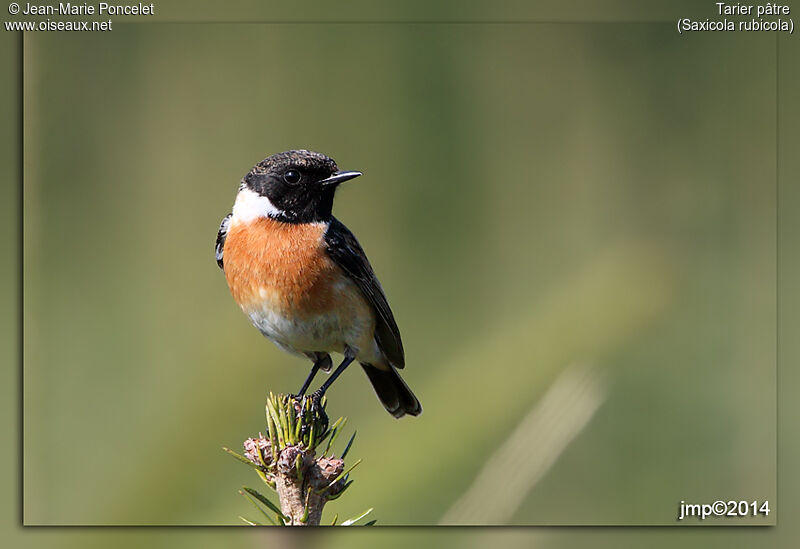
[250, 206]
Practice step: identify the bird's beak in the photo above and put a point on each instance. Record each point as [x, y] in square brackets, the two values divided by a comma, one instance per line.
[339, 177]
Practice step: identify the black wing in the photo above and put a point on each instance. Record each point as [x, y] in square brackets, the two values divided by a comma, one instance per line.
[346, 252]
[221, 234]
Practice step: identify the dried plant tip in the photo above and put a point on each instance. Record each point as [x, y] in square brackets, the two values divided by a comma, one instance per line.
[288, 460]
[325, 471]
[258, 450]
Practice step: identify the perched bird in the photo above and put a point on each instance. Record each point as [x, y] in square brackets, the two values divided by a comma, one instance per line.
[303, 279]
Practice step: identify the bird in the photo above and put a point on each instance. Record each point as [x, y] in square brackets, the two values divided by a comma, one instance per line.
[304, 281]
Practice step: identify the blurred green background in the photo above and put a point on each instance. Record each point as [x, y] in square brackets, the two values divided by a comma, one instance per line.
[535, 196]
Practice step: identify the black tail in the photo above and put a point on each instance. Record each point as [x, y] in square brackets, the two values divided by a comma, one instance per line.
[393, 392]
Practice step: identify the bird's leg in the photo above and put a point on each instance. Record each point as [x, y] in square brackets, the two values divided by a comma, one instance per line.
[349, 356]
[321, 360]
[316, 396]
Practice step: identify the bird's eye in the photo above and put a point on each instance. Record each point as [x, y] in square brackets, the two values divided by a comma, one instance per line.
[291, 177]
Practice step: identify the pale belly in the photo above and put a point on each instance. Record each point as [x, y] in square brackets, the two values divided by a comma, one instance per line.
[326, 331]
[349, 323]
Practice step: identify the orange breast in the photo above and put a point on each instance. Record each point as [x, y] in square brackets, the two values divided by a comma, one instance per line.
[283, 266]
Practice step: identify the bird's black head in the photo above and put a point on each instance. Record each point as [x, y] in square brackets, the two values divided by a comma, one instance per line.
[293, 186]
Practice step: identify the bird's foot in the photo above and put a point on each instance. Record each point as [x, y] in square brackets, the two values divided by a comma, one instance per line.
[318, 407]
[317, 401]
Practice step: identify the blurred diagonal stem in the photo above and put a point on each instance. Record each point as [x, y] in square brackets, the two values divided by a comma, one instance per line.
[531, 449]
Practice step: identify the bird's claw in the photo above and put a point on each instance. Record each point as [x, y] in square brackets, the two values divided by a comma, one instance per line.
[318, 409]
